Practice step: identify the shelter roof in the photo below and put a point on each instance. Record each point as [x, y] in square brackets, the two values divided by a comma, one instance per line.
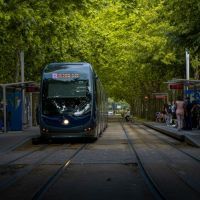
[183, 81]
[18, 84]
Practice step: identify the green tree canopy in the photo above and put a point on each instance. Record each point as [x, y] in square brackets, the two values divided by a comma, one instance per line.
[134, 45]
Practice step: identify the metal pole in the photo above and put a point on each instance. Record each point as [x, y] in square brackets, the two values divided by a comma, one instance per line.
[4, 108]
[31, 110]
[22, 65]
[187, 55]
[22, 80]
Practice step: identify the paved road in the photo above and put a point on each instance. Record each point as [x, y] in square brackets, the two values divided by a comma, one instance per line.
[105, 169]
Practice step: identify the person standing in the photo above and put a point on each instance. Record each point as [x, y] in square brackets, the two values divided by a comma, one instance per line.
[188, 115]
[180, 112]
[195, 113]
[173, 112]
[169, 114]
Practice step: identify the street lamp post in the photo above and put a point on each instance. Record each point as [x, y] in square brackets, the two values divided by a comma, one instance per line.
[187, 56]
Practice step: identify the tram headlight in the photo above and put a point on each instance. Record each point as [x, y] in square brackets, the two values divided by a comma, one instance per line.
[65, 121]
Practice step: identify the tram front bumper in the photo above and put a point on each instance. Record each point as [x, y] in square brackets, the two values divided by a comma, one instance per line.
[50, 132]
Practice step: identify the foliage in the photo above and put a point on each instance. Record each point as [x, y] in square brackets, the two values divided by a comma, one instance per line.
[134, 45]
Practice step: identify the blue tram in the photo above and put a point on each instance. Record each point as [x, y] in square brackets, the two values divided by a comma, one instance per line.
[72, 102]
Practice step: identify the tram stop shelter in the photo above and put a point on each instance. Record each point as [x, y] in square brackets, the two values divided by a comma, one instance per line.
[12, 107]
[186, 88]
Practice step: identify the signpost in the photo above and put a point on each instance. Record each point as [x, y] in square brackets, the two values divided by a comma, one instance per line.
[160, 95]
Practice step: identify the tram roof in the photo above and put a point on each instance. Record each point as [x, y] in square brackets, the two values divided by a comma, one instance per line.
[65, 64]
[69, 63]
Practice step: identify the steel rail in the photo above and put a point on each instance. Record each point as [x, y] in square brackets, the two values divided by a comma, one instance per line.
[25, 155]
[11, 148]
[149, 181]
[20, 175]
[52, 179]
[171, 144]
[192, 188]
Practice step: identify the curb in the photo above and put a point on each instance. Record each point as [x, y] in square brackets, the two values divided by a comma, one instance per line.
[180, 137]
[189, 140]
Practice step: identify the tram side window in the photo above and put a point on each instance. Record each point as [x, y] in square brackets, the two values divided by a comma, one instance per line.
[98, 95]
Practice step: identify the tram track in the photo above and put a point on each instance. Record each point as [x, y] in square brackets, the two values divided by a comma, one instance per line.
[15, 146]
[156, 150]
[17, 171]
[149, 181]
[30, 174]
[26, 154]
[55, 176]
[174, 167]
[168, 142]
[127, 162]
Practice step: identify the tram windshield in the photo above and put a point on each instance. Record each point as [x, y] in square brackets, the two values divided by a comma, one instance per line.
[69, 89]
[66, 97]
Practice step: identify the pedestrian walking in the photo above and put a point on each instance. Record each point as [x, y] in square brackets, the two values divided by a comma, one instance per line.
[127, 115]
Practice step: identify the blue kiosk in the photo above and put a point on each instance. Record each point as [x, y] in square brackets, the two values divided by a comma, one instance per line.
[11, 105]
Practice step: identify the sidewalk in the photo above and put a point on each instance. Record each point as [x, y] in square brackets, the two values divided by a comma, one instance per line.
[12, 139]
[190, 137]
